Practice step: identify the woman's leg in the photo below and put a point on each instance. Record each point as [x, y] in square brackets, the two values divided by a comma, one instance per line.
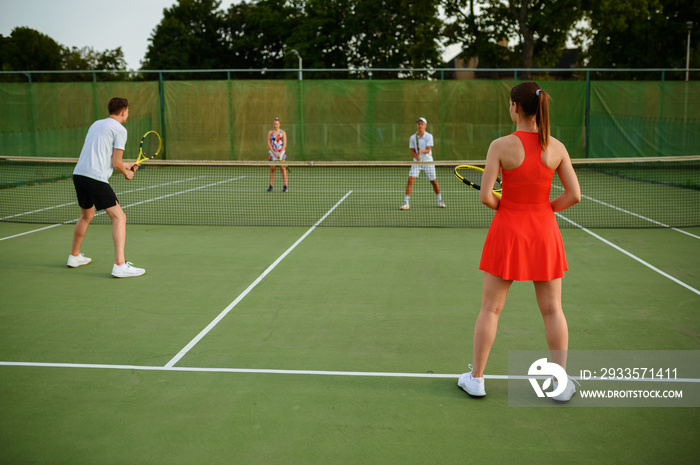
[555, 327]
[495, 291]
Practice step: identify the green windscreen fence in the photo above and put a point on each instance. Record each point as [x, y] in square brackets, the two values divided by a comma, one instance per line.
[343, 120]
[630, 119]
[52, 119]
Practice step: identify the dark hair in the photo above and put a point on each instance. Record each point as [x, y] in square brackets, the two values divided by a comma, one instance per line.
[116, 105]
[532, 100]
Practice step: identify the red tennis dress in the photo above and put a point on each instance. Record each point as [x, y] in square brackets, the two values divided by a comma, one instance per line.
[524, 242]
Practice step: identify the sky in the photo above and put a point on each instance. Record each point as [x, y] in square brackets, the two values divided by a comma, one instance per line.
[100, 24]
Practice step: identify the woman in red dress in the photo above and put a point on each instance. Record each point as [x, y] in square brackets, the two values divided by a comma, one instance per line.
[524, 242]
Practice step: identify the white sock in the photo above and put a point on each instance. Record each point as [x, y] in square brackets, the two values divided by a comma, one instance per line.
[405, 200]
[439, 197]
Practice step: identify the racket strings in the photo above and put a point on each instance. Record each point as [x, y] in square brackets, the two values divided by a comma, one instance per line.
[151, 145]
[471, 175]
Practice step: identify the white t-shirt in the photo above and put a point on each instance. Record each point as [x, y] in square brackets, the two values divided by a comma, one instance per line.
[423, 143]
[102, 138]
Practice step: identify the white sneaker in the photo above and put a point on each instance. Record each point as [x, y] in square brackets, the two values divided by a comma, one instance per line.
[568, 392]
[472, 386]
[441, 204]
[78, 260]
[405, 206]
[127, 270]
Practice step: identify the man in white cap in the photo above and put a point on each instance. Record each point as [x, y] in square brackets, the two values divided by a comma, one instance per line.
[421, 145]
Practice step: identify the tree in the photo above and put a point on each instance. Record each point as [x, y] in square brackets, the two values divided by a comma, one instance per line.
[28, 50]
[334, 34]
[190, 36]
[322, 35]
[640, 33]
[537, 29]
[87, 58]
[395, 34]
[256, 34]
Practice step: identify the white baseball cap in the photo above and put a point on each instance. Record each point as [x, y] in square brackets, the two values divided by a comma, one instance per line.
[422, 119]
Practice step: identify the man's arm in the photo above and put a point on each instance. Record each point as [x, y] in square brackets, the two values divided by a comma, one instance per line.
[414, 146]
[122, 167]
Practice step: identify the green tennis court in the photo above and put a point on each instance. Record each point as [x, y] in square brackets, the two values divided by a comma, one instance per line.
[334, 345]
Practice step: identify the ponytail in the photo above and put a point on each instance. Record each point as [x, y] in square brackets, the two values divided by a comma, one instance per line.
[542, 118]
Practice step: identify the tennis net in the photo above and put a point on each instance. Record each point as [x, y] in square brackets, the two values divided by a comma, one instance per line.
[619, 193]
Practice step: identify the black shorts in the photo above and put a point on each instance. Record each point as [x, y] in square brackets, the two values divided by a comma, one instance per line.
[92, 192]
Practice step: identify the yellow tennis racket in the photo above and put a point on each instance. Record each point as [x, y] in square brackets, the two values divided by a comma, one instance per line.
[150, 146]
[471, 176]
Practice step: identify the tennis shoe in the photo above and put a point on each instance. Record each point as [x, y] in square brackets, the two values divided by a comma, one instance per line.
[472, 386]
[285, 189]
[568, 392]
[78, 260]
[405, 206]
[269, 189]
[127, 270]
[441, 204]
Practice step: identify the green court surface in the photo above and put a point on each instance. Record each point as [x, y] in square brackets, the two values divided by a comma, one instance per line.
[372, 326]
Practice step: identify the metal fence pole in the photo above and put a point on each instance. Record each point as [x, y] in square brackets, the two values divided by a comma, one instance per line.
[161, 93]
[587, 126]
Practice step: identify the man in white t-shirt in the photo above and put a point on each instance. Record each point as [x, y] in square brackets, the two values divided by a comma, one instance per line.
[421, 145]
[102, 153]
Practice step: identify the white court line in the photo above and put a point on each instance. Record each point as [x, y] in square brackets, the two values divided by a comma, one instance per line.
[29, 232]
[648, 265]
[375, 374]
[633, 214]
[126, 206]
[183, 192]
[118, 193]
[221, 315]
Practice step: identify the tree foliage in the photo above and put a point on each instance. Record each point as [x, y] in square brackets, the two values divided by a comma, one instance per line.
[87, 58]
[256, 34]
[535, 29]
[190, 36]
[26, 49]
[641, 33]
[397, 34]
[326, 33]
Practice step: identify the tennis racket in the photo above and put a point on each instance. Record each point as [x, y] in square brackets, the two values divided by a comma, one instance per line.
[418, 147]
[471, 176]
[150, 146]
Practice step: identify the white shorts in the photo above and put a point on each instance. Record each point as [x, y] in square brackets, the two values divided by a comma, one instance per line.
[272, 157]
[429, 171]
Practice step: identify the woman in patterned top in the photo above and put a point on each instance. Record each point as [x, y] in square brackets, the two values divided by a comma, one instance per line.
[277, 145]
